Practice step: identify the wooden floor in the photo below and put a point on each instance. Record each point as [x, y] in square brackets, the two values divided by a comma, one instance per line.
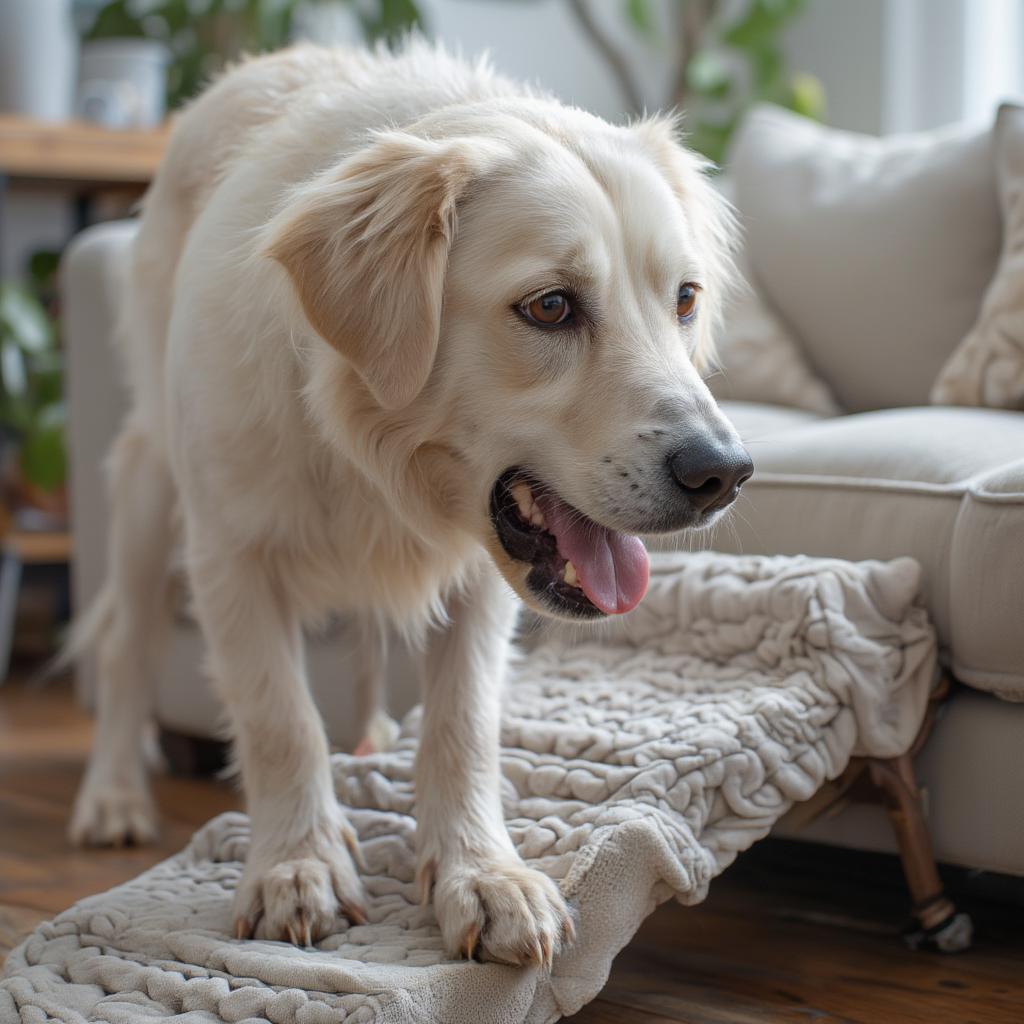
[791, 933]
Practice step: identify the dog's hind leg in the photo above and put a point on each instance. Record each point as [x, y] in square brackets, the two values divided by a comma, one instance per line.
[378, 731]
[114, 805]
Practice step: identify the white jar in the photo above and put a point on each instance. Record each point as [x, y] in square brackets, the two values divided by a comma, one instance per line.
[122, 83]
[37, 58]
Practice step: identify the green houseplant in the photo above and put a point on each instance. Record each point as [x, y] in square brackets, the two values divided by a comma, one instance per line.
[203, 35]
[726, 57]
[32, 411]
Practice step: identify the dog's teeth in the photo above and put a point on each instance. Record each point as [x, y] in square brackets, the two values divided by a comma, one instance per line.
[529, 510]
[570, 576]
[524, 499]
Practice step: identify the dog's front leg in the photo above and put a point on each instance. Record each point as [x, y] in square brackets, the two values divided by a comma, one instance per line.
[487, 901]
[299, 872]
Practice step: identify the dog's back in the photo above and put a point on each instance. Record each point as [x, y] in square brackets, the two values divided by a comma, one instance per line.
[205, 138]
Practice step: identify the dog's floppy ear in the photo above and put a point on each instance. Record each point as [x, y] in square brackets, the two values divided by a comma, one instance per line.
[710, 215]
[366, 247]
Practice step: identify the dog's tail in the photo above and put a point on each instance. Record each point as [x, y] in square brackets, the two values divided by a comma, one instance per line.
[86, 629]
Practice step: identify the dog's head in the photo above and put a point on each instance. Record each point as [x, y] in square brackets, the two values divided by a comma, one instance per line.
[534, 291]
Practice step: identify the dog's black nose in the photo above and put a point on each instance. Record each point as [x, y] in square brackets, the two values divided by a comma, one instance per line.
[711, 472]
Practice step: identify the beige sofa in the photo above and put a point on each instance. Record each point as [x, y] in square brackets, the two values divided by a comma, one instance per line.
[871, 261]
[943, 485]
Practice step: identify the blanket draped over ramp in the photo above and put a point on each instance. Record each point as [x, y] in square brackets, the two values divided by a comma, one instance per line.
[638, 761]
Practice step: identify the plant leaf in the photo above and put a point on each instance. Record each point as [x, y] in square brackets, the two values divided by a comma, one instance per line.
[708, 75]
[711, 138]
[639, 14]
[42, 268]
[763, 20]
[393, 18]
[23, 320]
[43, 457]
[12, 368]
[115, 21]
[807, 96]
[46, 379]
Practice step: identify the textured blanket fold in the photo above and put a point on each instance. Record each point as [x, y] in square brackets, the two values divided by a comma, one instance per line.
[638, 761]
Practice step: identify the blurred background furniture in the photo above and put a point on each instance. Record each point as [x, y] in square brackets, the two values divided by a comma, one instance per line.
[85, 163]
[78, 152]
[22, 549]
[78, 159]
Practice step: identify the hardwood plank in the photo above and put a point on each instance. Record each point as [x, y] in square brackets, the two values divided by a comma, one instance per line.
[603, 1011]
[714, 969]
[39, 867]
[15, 924]
[44, 742]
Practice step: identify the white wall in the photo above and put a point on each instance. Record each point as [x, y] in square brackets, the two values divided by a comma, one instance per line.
[539, 41]
[842, 43]
[536, 41]
[911, 65]
[951, 60]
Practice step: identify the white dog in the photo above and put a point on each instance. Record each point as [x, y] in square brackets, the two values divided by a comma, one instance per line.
[403, 338]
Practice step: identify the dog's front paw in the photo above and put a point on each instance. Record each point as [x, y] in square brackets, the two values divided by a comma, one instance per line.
[498, 909]
[298, 898]
[113, 814]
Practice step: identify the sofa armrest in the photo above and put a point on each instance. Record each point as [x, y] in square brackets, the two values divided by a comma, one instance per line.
[987, 567]
[91, 276]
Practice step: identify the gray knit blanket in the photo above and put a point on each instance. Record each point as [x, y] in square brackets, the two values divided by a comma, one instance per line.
[638, 762]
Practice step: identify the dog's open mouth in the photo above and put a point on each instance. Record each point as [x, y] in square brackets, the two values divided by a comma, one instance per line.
[578, 567]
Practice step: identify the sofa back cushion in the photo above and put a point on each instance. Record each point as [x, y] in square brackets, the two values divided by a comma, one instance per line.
[875, 252]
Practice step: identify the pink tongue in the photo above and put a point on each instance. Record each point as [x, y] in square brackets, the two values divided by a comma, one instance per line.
[612, 567]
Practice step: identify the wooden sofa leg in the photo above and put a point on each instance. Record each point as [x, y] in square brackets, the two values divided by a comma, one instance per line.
[938, 924]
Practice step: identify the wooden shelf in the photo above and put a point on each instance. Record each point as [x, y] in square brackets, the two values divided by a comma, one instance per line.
[39, 548]
[78, 151]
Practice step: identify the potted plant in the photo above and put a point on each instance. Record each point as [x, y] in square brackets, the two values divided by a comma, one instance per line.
[32, 411]
[202, 36]
[725, 57]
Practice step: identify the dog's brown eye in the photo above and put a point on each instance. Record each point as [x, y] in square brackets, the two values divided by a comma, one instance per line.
[549, 310]
[686, 304]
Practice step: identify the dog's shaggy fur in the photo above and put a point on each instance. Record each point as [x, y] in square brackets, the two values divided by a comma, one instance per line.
[333, 364]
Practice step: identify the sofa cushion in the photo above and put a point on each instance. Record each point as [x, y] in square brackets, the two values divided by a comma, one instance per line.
[875, 252]
[759, 420]
[943, 485]
[757, 357]
[988, 367]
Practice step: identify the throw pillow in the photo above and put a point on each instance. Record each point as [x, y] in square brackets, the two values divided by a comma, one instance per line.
[875, 252]
[759, 360]
[988, 367]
